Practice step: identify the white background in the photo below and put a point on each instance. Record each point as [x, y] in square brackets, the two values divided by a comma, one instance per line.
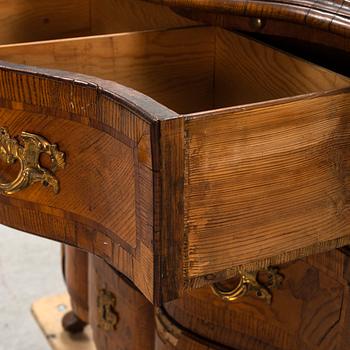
[30, 268]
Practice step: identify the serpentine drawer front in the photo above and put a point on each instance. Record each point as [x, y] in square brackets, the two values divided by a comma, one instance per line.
[202, 154]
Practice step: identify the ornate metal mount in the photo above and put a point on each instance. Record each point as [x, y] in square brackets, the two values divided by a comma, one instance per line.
[250, 282]
[107, 316]
[27, 150]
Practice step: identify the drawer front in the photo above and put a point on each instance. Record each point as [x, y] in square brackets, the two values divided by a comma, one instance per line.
[105, 201]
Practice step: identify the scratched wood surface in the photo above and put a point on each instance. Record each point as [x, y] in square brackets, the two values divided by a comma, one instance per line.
[266, 184]
[256, 72]
[114, 16]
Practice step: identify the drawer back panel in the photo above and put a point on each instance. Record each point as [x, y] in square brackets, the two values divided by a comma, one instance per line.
[34, 20]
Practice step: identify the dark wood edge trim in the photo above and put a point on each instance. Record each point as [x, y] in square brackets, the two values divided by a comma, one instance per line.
[135, 101]
[155, 144]
[171, 209]
[308, 13]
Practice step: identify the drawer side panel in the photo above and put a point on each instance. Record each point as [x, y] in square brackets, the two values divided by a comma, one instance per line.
[266, 185]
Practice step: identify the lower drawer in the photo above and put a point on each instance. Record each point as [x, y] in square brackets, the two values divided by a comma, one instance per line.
[310, 311]
[216, 153]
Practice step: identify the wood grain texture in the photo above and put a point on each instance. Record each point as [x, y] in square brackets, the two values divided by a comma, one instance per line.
[135, 329]
[256, 72]
[188, 70]
[24, 20]
[171, 211]
[175, 67]
[310, 311]
[76, 278]
[266, 184]
[114, 16]
[88, 152]
[322, 15]
[103, 126]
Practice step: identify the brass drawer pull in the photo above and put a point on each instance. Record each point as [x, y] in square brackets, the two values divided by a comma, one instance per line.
[250, 282]
[27, 149]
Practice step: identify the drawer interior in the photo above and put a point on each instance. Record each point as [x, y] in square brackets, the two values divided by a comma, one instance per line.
[187, 69]
[244, 171]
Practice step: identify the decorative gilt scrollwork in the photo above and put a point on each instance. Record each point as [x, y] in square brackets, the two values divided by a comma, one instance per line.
[27, 150]
[250, 282]
[107, 316]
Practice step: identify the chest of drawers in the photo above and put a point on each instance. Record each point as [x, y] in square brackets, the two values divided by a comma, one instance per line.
[181, 156]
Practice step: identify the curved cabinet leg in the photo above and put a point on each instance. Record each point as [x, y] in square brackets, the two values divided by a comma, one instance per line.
[75, 269]
[120, 316]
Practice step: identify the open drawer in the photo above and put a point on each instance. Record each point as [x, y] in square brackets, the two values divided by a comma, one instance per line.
[213, 154]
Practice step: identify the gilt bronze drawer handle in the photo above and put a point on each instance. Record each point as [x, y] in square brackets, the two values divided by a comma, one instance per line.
[27, 150]
[250, 282]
